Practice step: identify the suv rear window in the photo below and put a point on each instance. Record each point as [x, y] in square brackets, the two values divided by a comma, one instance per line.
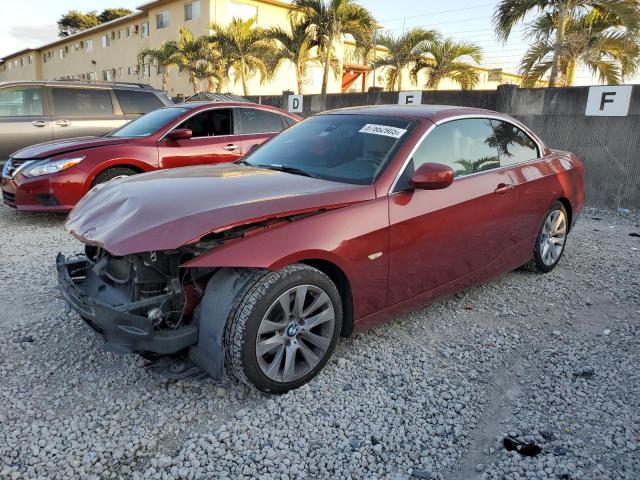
[133, 102]
[82, 102]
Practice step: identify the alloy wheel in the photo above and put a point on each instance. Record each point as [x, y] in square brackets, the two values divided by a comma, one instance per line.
[554, 235]
[295, 333]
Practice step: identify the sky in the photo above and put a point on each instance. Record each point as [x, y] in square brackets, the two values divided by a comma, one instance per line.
[30, 23]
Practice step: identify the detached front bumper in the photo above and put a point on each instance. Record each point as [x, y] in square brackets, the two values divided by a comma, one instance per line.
[123, 327]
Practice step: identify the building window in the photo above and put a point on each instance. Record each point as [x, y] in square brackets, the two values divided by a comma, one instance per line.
[119, 34]
[88, 46]
[105, 41]
[107, 75]
[62, 53]
[162, 19]
[22, 62]
[92, 76]
[120, 72]
[146, 70]
[242, 11]
[145, 29]
[192, 10]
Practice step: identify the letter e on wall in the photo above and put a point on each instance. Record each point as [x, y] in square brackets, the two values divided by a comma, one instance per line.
[608, 101]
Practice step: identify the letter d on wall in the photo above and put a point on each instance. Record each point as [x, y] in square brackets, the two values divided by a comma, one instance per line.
[295, 103]
[410, 98]
[608, 101]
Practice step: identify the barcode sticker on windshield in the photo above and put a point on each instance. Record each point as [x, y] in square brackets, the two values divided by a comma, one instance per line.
[383, 130]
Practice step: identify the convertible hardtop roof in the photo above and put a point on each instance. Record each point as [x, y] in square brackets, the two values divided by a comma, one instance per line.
[429, 112]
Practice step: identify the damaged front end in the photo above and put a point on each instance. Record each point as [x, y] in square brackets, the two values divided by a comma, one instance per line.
[140, 303]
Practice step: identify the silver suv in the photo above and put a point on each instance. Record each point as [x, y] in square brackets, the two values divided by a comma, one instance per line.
[38, 111]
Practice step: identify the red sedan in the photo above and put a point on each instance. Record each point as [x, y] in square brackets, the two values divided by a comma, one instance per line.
[329, 228]
[53, 176]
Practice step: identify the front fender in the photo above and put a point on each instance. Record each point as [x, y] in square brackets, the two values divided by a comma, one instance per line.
[353, 238]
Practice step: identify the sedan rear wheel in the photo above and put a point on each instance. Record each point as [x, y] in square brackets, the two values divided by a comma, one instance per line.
[284, 329]
[551, 240]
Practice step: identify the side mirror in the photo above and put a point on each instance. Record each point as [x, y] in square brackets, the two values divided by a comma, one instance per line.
[180, 134]
[432, 176]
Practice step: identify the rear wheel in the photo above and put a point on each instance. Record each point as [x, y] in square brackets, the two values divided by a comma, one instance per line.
[551, 240]
[111, 173]
[284, 329]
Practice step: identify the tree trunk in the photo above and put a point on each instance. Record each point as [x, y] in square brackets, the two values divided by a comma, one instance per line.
[327, 67]
[299, 79]
[243, 76]
[557, 48]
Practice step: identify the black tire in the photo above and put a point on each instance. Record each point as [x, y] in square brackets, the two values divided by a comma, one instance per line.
[537, 263]
[244, 321]
[111, 173]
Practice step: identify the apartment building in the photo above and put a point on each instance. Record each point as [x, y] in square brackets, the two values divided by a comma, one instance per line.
[108, 52]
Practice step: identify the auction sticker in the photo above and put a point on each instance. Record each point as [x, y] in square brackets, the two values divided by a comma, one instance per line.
[383, 130]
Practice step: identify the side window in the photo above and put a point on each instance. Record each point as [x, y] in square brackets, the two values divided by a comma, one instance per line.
[253, 120]
[81, 102]
[288, 122]
[210, 123]
[133, 102]
[467, 146]
[21, 102]
[514, 146]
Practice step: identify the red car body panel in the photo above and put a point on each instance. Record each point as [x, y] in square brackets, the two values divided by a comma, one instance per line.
[149, 212]
[141, 154]
[396, 249]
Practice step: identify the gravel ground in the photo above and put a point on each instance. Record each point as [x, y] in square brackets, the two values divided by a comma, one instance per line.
[549, 362]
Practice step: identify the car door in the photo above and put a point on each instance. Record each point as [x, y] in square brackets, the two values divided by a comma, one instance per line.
[24, 119]
[533, 179]
[213, 141]
[258, 126]
[83, 111]
[438, 236]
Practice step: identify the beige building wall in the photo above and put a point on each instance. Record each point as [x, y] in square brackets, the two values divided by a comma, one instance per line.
[109, 51]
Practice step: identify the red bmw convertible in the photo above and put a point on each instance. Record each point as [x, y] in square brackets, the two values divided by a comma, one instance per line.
[329, 228]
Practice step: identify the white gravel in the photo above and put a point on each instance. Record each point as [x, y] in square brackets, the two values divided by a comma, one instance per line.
[549, 360]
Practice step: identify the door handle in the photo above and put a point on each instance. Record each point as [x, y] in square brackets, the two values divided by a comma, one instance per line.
[63, 123]
[39, 123]
[503, 188]
[231, 147]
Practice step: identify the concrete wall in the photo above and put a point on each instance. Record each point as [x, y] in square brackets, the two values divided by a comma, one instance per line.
[608, 146]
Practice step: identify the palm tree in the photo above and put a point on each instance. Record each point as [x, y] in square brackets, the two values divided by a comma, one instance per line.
[558, 15]
[164, 57]
[446, 60]
[247, 48]
[330, 20]
[189, 53]
[294, 46]
[480, 165]
[598, 41]
[402, 51]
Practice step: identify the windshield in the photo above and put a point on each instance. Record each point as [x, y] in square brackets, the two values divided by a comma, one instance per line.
[344, 148]
[149, 123]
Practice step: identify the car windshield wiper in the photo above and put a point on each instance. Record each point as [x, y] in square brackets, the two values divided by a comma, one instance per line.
[292, 170]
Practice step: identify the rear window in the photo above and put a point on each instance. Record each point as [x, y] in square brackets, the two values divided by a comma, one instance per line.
[149, 123]
[133, 102]
[253, 121]
[83, 102]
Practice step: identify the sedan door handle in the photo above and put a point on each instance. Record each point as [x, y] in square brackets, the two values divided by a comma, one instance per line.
[503, 188]
[39, 123]
[231, 147]
[63, 123]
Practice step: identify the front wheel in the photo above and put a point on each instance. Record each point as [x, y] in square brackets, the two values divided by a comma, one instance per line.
[284, 329]
[550, 241]
[111, 173]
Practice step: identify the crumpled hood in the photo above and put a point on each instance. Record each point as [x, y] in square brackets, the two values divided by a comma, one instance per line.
[166, 209]
[67, 145]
